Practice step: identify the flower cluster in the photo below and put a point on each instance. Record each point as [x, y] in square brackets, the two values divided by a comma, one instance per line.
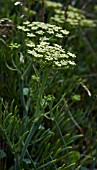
[36, 30]
[43, 44]
[54, 56]
[75, 17]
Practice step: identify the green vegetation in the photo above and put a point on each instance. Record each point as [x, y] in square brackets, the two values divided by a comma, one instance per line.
[48, 85]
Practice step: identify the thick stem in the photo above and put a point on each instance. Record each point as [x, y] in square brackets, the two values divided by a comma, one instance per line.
[37, 116]
[41, 91]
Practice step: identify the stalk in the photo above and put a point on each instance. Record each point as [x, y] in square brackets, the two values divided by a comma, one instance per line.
[17, 167]
[41, 91]
[37, 116]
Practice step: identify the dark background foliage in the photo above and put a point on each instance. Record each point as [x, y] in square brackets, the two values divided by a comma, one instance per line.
[71, 94]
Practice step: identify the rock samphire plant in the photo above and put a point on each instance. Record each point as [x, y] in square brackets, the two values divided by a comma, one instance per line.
[38, 140]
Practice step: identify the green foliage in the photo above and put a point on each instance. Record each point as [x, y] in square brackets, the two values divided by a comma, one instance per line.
[2, 154]
[47, 102]
[33, 138]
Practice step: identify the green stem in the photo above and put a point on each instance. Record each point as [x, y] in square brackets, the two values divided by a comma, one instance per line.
[17, 162]
[41, 91]
[25, 113]
[37, 116]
